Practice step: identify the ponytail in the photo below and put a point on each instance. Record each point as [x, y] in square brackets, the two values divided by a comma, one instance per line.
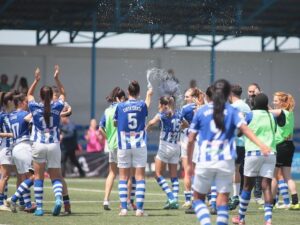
[221, 91]
[47, 95]
[286, 99]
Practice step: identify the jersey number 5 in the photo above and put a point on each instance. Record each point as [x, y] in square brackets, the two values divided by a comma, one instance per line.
[132, 121]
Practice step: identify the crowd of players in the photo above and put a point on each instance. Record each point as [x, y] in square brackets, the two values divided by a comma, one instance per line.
[224, 143]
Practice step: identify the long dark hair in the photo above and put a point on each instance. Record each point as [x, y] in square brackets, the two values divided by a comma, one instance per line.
[46, 94]
[1, 99]
[221, 91]
[8, 96]
[117, 92]
[134, 88]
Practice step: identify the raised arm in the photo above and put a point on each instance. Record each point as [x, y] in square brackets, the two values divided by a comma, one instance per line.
[37, 77]
[148, 97]
[152, 122]
[6, 135]
[58, 83]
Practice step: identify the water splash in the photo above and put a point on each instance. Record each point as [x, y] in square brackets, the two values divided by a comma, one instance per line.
[167, 84]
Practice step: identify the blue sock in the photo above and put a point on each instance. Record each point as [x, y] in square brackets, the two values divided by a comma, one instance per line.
[23, 190]
[133, 189]
[38, 193]
[284, 191]
[123, 193]
[268, 212]
[165, 187]
[188, 196]
[21, 201]
[140, 194]
[202, 212]
[244, 202]
[57, 188]
[1, 198]
[5, 192]
[175, 187]
[213, 194]
[223, 216]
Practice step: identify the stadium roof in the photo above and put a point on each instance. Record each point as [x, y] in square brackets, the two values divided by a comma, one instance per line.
[273, 20]
[189, 17]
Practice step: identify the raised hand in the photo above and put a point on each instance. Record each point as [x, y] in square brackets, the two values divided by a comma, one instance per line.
[56, 71]
[37, 74]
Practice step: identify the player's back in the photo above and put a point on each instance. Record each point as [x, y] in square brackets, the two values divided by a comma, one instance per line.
[131, 118]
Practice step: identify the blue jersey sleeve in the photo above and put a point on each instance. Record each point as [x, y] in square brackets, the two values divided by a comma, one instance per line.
[248, 117]
[117, 112]
[58, 105]
[103, 121]
[238, 117]
[195, 125]
[33, 105]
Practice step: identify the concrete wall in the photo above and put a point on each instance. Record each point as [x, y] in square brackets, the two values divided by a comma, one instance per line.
[273, 71]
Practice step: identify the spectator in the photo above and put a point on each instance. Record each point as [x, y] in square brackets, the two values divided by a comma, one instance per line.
[69, 145]
[253, 90]
[4, 86]
[22, 86]
[95, 140]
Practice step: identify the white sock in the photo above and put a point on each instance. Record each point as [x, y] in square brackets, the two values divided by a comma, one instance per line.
[236, 189]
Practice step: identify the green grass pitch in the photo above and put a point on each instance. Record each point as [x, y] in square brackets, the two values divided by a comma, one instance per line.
[86, 199]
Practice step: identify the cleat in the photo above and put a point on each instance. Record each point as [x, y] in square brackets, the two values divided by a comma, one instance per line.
[233, 202]
[57, 207]
[190, 211]
[39, 212]
[123, 212]
[4, 208]
[268, 223]
[106, 207]
[283, 206]
[13, 207]
[140, 213]
[236, 220]
[187, 205]
[213, 211]
[31, 209]
[259, 201]
[295, 207]
[21, 208]
[7, 202]
[171, 204]
[66, 213]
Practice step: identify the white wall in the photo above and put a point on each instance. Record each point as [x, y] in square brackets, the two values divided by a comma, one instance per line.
[273, 71]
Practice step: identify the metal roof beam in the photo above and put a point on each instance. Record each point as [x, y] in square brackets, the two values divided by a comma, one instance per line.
[6, 4]
[39, 37]
[52, 37]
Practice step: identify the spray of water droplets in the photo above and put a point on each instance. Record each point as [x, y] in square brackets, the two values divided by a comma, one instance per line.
[168, 84]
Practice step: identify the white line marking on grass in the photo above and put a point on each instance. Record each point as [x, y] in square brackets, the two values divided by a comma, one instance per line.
[112, 201]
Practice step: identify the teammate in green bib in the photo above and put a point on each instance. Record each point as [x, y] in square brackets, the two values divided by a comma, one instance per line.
[108, 129]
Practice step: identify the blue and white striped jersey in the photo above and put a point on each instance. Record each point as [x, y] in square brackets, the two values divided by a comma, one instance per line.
[40, 132]
[131, 118]
[170, 127]
[5, 128]
[214, 144]
[188, 111]
[19, 127]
